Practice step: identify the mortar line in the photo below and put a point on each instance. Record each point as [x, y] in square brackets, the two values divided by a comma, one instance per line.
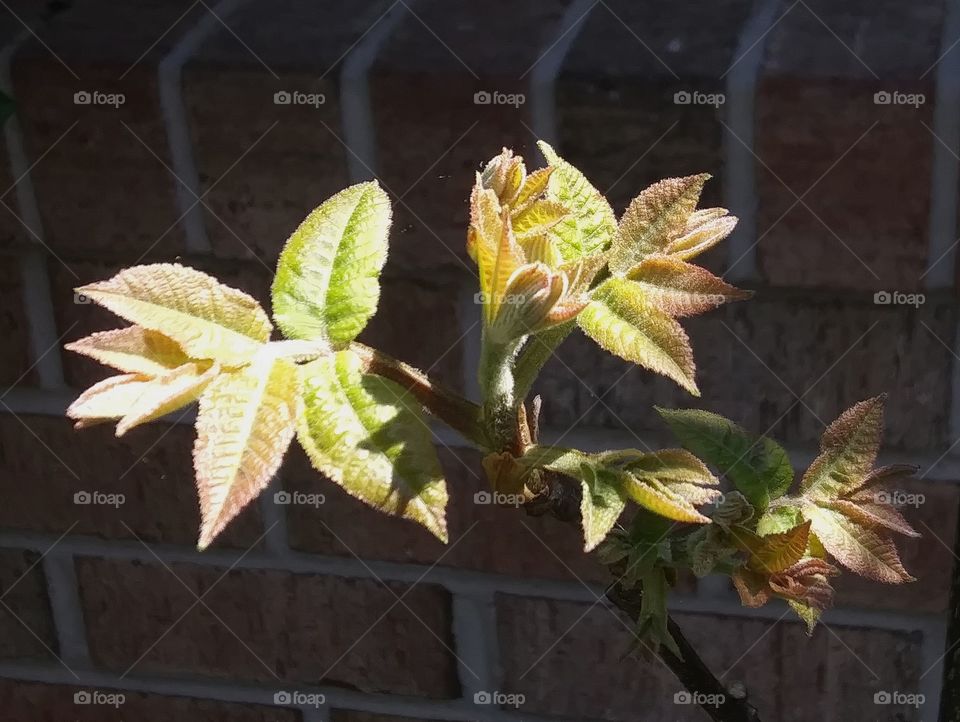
[173, 109]
[945, 173]
[64, 594]
[356, 107]
[543, 78]
[740, 179]
[474, 643]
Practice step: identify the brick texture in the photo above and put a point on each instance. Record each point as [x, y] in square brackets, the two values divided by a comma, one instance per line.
[55, 703]
[15, 352]
[44, 463]
[26, 627]
[269, 626]
[342, 715]
[819, 129]
[547, 644]
[771, 350]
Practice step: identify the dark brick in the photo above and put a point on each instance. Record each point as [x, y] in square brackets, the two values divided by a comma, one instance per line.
[101, 185]
[262, 179]
[14, 328]
[753, 358]
[547, 643]
[44, 463]
[55, 703]
[814, 102]
[301, 628]
[344, 715]
[26, 627]
[431, 136]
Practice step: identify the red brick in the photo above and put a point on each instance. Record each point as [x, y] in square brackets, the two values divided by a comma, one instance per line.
[417, 322]
[643, 135]
[229, 89]
[814, 101]
[547, 643]
[344, 715]
[431, 136]
[26, 627]
[77, 320]
[55, 703]
[774, 348]
[303, 628]
[14, 329]
[483, 537]
[44, 463]
[102, 188]
[930, 558]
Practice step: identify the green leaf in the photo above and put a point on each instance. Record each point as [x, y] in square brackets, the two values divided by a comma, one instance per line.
[809, 615]
[592, 223]
[848, 451]
[653, 219]
[600, 506]
[622, 322]
[778, 520]
[652, 622]
[759, 467]
[368, 435]
[327, 283]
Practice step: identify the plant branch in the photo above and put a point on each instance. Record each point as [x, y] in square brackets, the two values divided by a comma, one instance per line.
[539, 349]
[561, 500]
[457, 412]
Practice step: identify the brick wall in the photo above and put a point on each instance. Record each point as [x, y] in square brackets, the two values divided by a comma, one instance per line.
[839, 198]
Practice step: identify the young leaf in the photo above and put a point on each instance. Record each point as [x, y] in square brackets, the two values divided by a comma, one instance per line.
[779, 519]
[758, 467]
[327, 284]
[774, 552]
[167, 393]
[669, 465]
[108, 399]
[653, 219]
[681, 289]
[622, 322]
[874, 514]
[848, 451]
[208, 320]
[133, 350]
[592, 223]
[245, 424]
[660, 499]
[704, 230]
[856, 547]
[368, 435]
[600, 506]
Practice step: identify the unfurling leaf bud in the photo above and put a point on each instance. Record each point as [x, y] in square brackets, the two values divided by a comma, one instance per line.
[535, 298]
